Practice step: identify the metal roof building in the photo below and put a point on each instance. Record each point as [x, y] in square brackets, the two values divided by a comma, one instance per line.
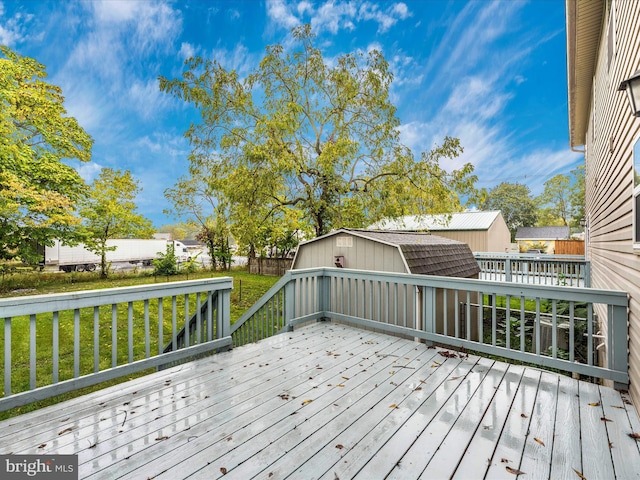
[482, 231]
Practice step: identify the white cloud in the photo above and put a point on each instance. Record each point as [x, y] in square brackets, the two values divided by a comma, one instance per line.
[335, 15]
[89, 171]
[13, 29]
[387, 18]
[281, 13]
[186, 50]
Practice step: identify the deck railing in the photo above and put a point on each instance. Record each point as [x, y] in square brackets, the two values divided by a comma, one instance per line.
[547, 325]
[52, 343]
[542, 269]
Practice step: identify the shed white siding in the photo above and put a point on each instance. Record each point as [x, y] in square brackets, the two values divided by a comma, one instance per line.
[363, 254]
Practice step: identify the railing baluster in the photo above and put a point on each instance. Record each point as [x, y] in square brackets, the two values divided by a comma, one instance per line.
[508, 322]
[174, 323]
[147, 333]
[494, 320]
[198, 319]
[114, 335]
[537, 326]
[32, 351]
[7, 356]
[76, 343]
[554, 329]
[590, 334]
[571, 332]
[160, 327]
[130, 330]
[96, 339]
[55, 348]
[523, 333]
[187, 327]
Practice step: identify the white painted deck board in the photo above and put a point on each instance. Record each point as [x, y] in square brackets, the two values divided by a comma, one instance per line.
[245, 413]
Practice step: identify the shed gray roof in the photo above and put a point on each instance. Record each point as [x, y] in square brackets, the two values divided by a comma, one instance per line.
[427, 254]
[542, 233]
[442, 222]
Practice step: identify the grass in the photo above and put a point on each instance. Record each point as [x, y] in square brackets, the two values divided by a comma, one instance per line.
[247, 290]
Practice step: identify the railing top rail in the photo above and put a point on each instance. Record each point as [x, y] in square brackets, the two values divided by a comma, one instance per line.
[552, 292]
[34, 304]
[528, 256]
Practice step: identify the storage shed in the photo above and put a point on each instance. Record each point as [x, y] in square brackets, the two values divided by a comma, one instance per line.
[482, 231]
[399, 252]
[388, 251]
[532, 237]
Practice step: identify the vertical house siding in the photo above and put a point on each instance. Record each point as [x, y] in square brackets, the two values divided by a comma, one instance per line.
[609, 171]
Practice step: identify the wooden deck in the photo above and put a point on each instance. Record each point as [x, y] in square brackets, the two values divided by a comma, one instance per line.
[330, 401]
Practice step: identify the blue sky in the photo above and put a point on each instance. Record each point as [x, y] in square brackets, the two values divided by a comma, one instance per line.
[492, 73]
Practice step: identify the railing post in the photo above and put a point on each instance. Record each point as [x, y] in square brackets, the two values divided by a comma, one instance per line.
[429, 302]
[289, 303]
[324, 295]
[223, 314]
[618, 348]
[587, 274]
[507, 270]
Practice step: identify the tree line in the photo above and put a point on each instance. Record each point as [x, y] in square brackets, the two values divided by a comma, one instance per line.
[299, 146]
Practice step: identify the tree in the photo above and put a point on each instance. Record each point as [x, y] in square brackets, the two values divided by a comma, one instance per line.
[109, 212]
[320, 139]
[576, 196]
[515, 202]
[38, 192]
[555, 199]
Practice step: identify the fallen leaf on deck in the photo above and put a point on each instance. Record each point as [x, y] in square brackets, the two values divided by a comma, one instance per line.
[618, 406]
[229, 439]
[594, 404]
[515, 471]
[66, 430]
[417, 388]
[539, 441]
[454, 378]
[605, 419]
[223, 470]
[579, 474]
[634, 435]
[162, 438]
[346, 378]
[42, 445]
[504, 460]
[307, 401]
[523, 415]
[392, 372]
[339, 446]
[341, 385]
[393, 405]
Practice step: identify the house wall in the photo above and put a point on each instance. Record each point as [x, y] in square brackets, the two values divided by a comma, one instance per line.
[611, 134]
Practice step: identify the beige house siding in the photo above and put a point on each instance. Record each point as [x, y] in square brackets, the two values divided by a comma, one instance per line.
[610, 136]
[498, 237]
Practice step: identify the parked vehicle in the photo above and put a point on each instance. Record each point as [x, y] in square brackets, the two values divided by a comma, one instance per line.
[136, 251]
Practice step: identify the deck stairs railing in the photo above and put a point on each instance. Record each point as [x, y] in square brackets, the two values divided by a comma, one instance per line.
[543, 269]
[55, 344]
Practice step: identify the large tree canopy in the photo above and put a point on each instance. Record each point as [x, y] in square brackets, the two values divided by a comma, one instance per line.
[37, 191]
[516, 204]
[300, 134]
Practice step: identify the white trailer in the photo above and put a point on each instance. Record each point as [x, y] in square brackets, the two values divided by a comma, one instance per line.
[78, 258]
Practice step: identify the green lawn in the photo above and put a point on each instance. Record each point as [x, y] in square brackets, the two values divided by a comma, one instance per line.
[247, 290]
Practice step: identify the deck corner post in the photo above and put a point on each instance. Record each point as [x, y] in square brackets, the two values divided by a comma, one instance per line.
[324, 296]
[618, 334]
[587, 274]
